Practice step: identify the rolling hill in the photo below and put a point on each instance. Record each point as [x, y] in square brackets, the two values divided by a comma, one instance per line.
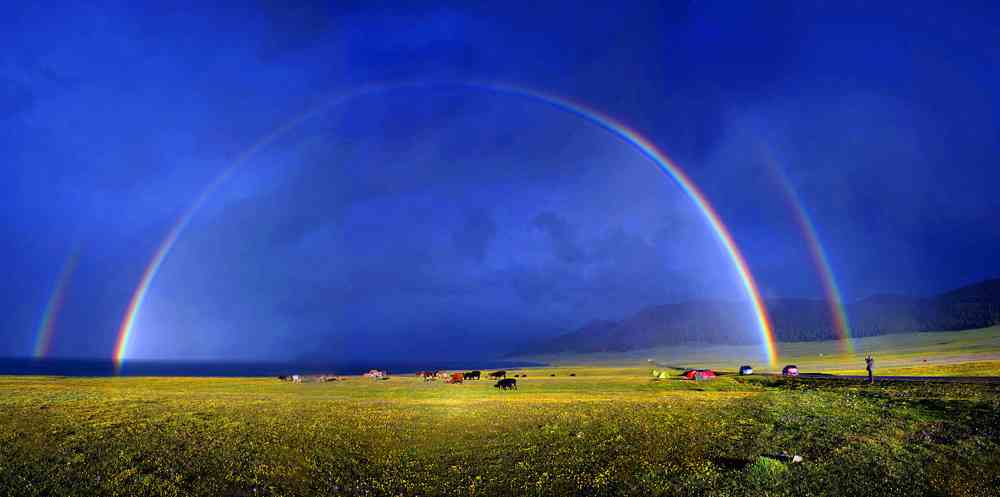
[794, 320]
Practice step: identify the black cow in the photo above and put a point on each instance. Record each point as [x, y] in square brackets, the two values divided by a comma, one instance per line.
[472, 375]
[498, 374]
[506, 384]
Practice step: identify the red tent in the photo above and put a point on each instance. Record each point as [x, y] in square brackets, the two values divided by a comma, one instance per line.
[699, 374]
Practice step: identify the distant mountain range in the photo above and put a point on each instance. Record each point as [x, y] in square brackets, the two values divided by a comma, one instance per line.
[794, 320]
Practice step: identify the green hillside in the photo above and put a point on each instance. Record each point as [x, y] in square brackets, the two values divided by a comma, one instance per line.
[971, 353]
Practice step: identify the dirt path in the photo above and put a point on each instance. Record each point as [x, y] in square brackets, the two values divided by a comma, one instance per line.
[942, 379]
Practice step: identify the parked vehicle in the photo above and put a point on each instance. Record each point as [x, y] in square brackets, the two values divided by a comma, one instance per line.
[790, 370]
[746, 369]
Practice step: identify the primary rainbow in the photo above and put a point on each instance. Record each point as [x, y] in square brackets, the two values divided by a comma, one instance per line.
[46, 327]
[617, 128]
[808, 228]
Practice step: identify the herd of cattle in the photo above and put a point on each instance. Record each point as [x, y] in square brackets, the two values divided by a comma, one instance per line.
[503, 383]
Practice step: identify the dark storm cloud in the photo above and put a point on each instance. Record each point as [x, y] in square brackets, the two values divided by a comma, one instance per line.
[473, 239]
[25, 80]
[466, 220]
[294, 26]
[408, 143]
[561, 234]
[15, 98]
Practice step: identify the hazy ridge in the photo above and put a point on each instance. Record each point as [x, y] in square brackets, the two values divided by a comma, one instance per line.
[794, 320]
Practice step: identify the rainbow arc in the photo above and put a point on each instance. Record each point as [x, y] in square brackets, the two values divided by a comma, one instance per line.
[589, 114]
[46, 327]
[818, 254]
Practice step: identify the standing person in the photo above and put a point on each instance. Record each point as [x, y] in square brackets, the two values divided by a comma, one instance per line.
[870, 366]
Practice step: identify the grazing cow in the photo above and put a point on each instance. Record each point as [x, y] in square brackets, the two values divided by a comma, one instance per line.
[553, 374]
[430, 375]
[572, 374]
[496, 375]
[524, 375]
[456, 378]
[517, 376]
[472, 375]
[283, 378]
[506, 384]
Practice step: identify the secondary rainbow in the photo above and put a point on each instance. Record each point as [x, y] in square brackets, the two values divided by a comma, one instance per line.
[46, 327]
[615, 127]
[820, 259]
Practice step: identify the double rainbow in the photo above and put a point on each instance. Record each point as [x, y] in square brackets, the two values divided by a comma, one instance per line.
[46, 326]
[615, 127]
[822, 262]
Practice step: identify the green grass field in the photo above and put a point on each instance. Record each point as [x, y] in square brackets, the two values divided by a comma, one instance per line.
[606, 431]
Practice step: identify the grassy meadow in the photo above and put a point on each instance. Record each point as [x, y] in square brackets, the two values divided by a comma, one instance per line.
[605, 431]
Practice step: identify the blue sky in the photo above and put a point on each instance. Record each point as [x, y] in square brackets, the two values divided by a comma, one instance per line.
[443, 221]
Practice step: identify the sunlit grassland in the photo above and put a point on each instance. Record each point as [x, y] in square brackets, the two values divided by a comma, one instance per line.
[952, 353]
[606, 431]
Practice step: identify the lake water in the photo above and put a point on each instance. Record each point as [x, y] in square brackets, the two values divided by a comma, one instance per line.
[89, 367]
